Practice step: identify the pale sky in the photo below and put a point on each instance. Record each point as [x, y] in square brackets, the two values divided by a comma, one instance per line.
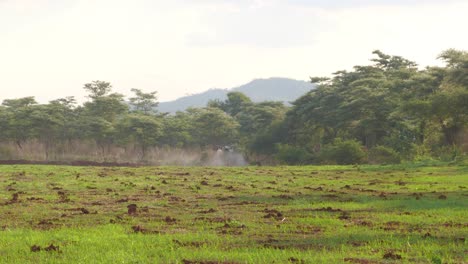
[50, 48]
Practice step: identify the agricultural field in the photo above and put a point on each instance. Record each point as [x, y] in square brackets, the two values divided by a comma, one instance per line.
[311, 214]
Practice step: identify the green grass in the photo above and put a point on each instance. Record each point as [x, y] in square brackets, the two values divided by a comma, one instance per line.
[311, 214]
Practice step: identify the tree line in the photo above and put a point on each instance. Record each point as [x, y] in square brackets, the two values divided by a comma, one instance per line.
[380, 113]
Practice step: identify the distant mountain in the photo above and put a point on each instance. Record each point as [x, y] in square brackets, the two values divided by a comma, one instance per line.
[272, 89]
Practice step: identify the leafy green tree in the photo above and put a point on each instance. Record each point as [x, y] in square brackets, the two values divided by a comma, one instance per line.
[234, 104]
[143, 130]
[213, 127]
[255, 118]
[177, 130]
[99, 116]
[19, 122]
[343, 152]
[451, 104]
[145, 103]
[357, 104]
[106, 107]
[98, 89]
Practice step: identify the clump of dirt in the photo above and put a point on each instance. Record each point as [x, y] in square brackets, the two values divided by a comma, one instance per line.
[175, 199]
[129, 173]
[170, 220]
[417, 195]
[392, 225]
[330, 196]
[14, 198]
[211, 210]
[102, 174]
[344, 216]
[359, 261]
[214, 220]
[363, 223]
[182, 173]
[118, 218]
[358, 243]
[34, 199]
[231, 229]
[63, 197]
[244, 203]
[452, 224]
[301, 229]
[400, 182]
[231, 188]
[327, 209]
[284, 196]
[51, 247]
[295, 260]
[138, 229]
[189, 244]
[205, 183]
[84, 210]
[273, 213]
[35, 248]
[132, 209]
[142, 230]
[382, 195]
[10, 188]
[45, 223]
[392, 255]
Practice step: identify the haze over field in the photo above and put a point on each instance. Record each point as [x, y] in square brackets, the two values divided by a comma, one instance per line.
[50, 48]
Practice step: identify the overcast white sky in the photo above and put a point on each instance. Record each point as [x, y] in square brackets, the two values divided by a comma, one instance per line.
[50, 48]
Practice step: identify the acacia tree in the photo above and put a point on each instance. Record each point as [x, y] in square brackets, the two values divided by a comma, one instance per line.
[177, 130]
[19, 128]
[99, 116]
[143, 130]
[97, 89]
[357, 104]
[213, 127]
[145, 103]
[233, 105]
[450, 106]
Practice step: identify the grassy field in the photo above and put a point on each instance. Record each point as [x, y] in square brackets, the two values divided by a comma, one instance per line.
[313, 214]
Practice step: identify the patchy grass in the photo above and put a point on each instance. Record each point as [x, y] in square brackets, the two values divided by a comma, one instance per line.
[313, 214]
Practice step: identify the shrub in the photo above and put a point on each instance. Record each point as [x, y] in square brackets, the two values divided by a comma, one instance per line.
[291, 155]
[343, 152]
[449, 153]
[384, 155]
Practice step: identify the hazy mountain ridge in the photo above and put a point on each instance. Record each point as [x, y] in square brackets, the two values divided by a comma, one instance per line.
[272, 89]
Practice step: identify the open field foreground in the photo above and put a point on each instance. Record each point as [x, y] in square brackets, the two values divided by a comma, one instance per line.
[314, 214]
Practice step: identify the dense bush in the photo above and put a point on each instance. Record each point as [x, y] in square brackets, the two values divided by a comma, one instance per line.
[292, 155]
[343, 152]
[449, 153]
[383, 155]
